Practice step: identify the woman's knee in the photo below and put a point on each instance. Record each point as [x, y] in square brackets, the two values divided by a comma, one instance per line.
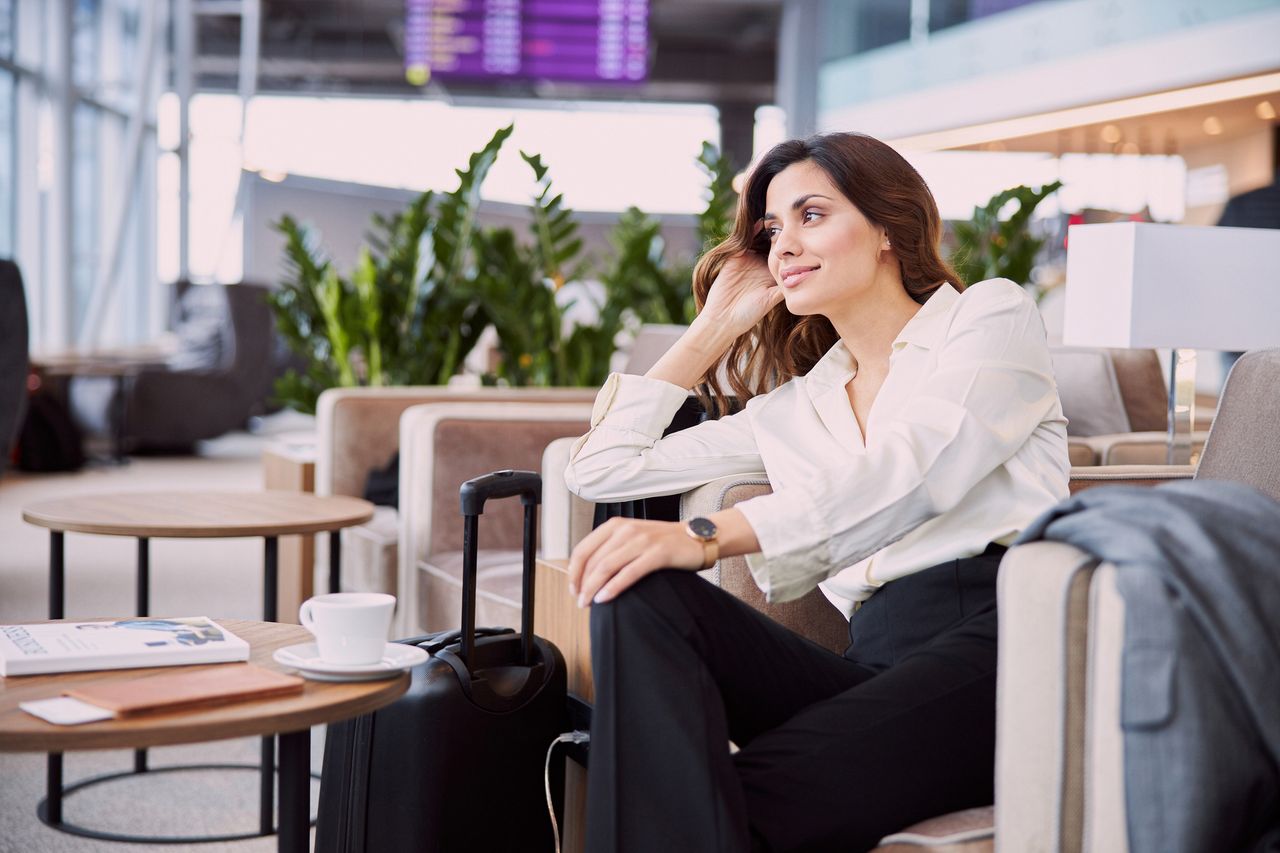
[639, 604]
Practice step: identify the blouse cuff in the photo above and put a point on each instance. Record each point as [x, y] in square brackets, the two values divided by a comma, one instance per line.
[637, 403]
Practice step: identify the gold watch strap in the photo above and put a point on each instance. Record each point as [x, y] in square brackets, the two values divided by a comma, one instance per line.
[710, 553]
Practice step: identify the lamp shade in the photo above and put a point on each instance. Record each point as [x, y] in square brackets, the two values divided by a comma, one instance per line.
[1143, 285]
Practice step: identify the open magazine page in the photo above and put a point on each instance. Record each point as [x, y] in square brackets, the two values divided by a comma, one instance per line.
[117, 644]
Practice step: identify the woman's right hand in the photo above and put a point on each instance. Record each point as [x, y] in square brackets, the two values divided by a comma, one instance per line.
[742, 293]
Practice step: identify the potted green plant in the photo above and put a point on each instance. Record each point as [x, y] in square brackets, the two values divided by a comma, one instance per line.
[521, 283]
[406, 314]
[988, 246]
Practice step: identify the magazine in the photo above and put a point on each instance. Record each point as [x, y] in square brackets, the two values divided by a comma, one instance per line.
[118, 644]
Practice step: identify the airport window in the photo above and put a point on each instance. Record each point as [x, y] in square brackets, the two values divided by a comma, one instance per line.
[852, 28]
[7, 165]
[86, 207]
[6, 29]
[86, 43]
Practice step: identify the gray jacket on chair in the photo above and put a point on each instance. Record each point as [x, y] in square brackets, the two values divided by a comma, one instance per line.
[1199, 570]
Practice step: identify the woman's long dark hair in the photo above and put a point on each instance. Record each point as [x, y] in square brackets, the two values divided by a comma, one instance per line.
[889, 193]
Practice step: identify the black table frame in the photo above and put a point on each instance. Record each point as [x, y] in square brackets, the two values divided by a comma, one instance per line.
[293, 835]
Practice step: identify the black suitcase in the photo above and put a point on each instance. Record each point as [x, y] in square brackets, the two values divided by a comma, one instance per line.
[456, 764]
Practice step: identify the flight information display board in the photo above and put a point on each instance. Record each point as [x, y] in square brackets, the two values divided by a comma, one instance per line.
[590, 41]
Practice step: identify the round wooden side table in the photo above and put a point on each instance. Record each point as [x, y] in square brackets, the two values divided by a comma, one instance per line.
[290, 716]
[193, 515]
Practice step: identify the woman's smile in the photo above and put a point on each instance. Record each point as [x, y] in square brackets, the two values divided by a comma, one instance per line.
[792, 276]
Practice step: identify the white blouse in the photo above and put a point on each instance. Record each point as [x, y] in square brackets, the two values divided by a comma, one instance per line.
[966, 444]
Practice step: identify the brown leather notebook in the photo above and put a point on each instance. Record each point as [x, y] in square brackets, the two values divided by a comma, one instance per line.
[179, 689]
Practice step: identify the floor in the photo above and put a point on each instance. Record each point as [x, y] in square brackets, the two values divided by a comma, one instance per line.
[220, 578]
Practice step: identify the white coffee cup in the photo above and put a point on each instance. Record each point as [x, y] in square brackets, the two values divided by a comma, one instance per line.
[350, 627]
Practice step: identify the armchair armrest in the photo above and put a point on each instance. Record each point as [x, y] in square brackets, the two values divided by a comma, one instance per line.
[1136, 448]
[1086, 477]
[811, 616]
[1043, 592]
[444, 444]
[566, 518]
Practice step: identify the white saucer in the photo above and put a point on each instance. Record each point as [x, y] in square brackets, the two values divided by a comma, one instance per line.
[305, 657]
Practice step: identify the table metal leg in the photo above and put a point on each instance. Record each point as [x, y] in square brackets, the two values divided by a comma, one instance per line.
[53, 789]
[57, 604]
[57, 565]
[143, 608]
[143, 604]
[271, 580]
[266, 790]
[294, 834]
[270, 589]
[335, 561]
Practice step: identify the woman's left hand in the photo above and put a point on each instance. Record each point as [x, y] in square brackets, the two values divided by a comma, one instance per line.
[622, 550]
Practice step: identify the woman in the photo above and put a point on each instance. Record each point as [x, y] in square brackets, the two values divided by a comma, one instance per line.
[911, 432]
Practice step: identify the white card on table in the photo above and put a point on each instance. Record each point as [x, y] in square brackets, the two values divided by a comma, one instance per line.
[65, 711]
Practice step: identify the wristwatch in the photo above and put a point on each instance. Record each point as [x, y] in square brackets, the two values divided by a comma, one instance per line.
[705, 531]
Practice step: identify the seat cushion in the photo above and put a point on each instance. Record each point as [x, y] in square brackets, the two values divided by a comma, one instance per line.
[370, 552]
[498, 577]
[968, 831]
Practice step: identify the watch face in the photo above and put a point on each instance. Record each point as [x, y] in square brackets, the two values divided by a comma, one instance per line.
[703, 528]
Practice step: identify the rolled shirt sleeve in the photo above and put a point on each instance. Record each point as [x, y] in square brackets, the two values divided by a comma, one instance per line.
[625, 456]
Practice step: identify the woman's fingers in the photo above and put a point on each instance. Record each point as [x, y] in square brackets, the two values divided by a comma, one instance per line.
[605, 564]
[585, 548]
[625, 577]
[620, 551]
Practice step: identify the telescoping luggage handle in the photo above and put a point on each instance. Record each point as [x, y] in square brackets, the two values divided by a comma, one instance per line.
[473, 494]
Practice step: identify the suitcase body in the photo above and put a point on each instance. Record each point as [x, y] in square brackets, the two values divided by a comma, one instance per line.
[456, 764]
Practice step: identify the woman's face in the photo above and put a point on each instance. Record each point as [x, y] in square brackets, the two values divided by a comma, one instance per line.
[822, 250]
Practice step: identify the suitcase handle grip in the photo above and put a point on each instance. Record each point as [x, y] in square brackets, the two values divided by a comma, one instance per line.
[473, 494]
[500, 484]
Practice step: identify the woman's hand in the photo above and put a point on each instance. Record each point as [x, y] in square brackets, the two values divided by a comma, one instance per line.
[622, 550]
[743, 292]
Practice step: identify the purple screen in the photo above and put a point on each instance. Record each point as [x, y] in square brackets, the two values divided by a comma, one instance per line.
[590, 41]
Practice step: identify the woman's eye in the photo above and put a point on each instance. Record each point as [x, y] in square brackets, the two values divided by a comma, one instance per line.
[772, 231]
[810, 215]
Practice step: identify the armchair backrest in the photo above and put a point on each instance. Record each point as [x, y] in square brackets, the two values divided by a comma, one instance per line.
[359, 428]
[1244, 443]
[1089, 390]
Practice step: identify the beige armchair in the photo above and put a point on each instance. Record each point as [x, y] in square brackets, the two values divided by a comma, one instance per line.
[359, 431]
[442, 445]
[1060, 783]
[1116, 404]
[567, 518]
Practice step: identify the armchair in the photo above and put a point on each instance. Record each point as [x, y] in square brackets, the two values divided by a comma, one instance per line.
[1059, 783]
[1116, 405]
[359, 431]
[1067, 791]
[443, 445]
[567, 518]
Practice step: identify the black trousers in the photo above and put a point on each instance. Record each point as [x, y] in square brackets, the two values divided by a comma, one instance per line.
[835, 751]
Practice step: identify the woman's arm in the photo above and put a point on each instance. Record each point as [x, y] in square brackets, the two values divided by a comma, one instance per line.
[624, 456]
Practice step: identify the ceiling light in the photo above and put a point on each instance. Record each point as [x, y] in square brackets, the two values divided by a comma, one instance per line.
[1265, 111]
[1130, 148]
[1111, 111]
[1111, 134]
[1212, 126]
